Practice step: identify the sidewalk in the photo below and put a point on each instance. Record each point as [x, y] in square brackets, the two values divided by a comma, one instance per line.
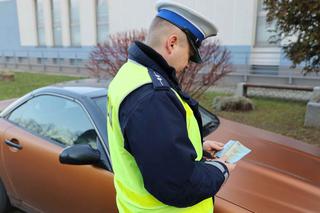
[5, 103]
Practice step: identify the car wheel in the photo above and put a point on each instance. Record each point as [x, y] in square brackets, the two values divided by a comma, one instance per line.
[4, 201]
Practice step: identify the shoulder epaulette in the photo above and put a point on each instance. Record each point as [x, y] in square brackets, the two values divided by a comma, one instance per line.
[159, 82]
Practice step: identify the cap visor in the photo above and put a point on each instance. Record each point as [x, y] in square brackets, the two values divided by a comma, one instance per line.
[196, 55]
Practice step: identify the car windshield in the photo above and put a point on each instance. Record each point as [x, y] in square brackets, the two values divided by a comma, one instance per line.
[209, 121]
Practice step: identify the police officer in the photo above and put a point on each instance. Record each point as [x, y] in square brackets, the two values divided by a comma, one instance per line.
[154, 128]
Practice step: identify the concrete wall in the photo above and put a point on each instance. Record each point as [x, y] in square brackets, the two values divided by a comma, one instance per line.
[18, 35]
[127, 15]
[234, 19]
[27, 22]
[88, 25]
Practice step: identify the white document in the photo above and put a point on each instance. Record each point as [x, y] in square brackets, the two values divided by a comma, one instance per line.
[234, 151]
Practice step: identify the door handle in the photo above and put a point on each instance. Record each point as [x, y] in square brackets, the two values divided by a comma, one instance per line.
[13, 144]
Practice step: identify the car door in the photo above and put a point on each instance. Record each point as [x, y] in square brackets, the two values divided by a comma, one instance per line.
[39, 131]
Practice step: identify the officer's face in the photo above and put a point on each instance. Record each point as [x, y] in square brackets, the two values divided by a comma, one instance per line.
[182, 55]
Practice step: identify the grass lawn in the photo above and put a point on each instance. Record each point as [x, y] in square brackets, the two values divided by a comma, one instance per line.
[26, 82]
[280, 116]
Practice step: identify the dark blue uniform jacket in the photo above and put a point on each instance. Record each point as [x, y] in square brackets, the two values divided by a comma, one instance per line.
[152, 120]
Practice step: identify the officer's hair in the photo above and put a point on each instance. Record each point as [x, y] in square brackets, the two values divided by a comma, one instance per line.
[159, 30]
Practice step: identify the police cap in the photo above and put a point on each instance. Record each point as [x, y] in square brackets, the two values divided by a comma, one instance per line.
[195, 26]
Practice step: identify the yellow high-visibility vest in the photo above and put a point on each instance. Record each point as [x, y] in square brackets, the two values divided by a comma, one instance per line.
[131, 193]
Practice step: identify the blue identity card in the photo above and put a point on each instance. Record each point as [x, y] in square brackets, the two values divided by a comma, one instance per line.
[234, 151]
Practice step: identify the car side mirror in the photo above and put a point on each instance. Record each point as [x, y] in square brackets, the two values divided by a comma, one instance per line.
[80, 154]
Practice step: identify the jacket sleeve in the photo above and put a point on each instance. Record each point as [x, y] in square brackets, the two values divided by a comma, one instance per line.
[156, 135]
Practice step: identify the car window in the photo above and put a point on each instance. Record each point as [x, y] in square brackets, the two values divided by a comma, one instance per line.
[60, 119]
[101, 103]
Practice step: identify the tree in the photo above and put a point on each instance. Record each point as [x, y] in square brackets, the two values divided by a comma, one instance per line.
[299, 22]
[106, 59]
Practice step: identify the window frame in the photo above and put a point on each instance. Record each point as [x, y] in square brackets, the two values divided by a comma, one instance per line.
[261, 16]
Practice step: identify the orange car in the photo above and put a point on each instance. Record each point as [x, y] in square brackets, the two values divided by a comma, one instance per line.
[54, 158]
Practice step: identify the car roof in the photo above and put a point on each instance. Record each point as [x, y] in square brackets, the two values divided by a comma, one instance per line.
[84, 87]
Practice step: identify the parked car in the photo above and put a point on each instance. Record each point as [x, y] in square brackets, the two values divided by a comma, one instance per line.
[54, 157]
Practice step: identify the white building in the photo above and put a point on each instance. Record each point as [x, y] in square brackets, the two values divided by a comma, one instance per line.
[67, 30]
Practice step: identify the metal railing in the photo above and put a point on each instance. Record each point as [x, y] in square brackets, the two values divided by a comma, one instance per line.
[73, 62]
[41, 61]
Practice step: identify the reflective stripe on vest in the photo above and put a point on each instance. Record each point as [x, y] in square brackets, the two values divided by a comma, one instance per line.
[131, 194]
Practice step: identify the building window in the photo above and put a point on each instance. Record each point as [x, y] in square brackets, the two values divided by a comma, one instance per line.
[22, 59]
[102, 20]
[40, 23]
[56, 13]
[75, 61]
[264, 30]
[57, 60]
[42, 60]
[74, 22]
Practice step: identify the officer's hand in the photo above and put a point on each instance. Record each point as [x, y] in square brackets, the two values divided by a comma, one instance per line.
[230, 166]
[212, 147]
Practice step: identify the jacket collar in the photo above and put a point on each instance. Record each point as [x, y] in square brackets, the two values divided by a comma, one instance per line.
[148, 57]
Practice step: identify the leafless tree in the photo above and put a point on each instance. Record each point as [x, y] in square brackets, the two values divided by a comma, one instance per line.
[199, 77]
[106, 59]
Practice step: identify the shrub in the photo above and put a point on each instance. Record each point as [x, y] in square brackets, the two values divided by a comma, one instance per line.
[106, 59]
[233, 103]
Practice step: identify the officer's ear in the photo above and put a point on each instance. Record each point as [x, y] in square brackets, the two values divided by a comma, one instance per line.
[171, 43]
